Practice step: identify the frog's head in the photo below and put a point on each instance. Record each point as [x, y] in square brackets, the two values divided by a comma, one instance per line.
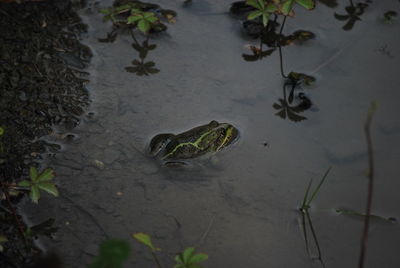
[220, 136]
[159, 142]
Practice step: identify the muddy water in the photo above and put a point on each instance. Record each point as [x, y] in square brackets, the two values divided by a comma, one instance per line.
[240, 208]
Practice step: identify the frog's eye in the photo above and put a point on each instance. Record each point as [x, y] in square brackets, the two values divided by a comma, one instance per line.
[159, 142]
[213, 123]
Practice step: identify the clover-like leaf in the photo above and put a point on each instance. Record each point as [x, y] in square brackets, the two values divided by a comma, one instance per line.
[144, 25]
[134, 18]
[199, 257]
[254, 14]
[308, 4]
[287, 7]
[33, 173]
[25, 183]
[254, 4]
[34, 194]
[48, 187]
[187, 254]
[46, 175]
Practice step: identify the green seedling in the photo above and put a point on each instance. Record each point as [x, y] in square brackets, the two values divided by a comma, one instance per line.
[112, 254]
[144, 20]
[189, 258]
[145, 239]
[263, 9]
[306, 204]
[39, 181]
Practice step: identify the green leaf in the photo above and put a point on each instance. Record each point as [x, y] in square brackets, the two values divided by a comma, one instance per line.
[24, 183]
[112, 253]
[152, 19]
[48, 187]
[254, 4]
[199, 257]
[33, 173]
[287, 7]
[308, 4]
[46, 175]
[254, 15]
[105, 11]
[187, 254]
[145, 240]
[262, 4]
[265, 18]
[34, 194]
[144, 26]
[134, 18]
[148, 14]
[271, 8]
[1, 131]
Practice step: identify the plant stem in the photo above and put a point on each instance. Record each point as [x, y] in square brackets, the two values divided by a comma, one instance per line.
[15, 215]
[364, 238]
[280, 48]
[156, 260]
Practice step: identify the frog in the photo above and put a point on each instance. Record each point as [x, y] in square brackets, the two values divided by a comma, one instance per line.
[175, 150]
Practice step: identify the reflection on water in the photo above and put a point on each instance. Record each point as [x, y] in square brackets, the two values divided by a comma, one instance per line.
[354, 12]
[290, 106]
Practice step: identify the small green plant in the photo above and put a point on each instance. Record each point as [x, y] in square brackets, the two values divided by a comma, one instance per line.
[144, 20]
[306, 204]
[39, 181]
[189, 259]
[112, 254]
[263, 9]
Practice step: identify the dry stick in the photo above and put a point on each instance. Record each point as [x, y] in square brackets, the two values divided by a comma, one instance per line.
[370, 185]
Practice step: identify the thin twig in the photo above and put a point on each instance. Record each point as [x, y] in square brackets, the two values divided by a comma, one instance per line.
[364, 238]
